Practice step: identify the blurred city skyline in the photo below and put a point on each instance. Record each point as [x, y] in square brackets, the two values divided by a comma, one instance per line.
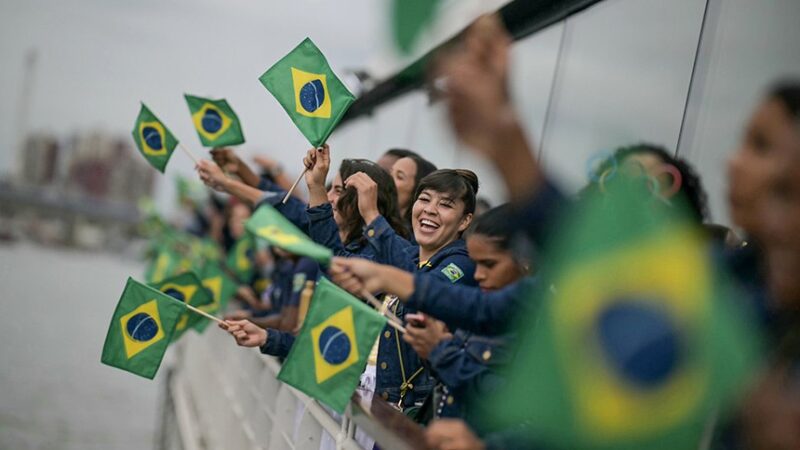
[95, 60]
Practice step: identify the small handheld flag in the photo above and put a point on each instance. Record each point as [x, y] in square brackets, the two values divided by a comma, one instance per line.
[141, 329]
[267, 223]
[333, 345]
[153, 138]
[186, 288]
[216, 123]
[309, 91]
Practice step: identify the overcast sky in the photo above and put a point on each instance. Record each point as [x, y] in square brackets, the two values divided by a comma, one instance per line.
[98, 58]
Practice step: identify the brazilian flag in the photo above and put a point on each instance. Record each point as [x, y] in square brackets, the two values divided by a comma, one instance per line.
[267, 223]
[141, 329]
[220, 286]
[186, 288]
[165, 264]
[215, 122]
[240, 258]
[309, 91]
[333, 345]
[640, 340]
[153, 138]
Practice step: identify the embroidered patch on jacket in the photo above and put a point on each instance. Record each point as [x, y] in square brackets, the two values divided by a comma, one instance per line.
[453, 272]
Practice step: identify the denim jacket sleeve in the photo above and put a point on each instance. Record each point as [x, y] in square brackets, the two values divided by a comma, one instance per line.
[487, 313]
[278, 343]
[293, 209]
[469, 365]
[389, 247]
[452, 365]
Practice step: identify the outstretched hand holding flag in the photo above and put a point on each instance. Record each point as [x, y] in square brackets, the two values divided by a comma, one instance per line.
[141, 329]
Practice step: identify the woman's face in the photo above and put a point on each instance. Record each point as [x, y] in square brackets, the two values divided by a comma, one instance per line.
[404, 172]
[336, 190]
[437, 218]
[495, 268]
[756, 163]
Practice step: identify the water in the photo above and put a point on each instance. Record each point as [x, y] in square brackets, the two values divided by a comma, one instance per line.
[55, 307]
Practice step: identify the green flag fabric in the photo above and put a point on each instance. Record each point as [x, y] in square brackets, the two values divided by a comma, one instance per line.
[640, 340]
[154, 140]
[141, 329]
[221, 287]
[309, 91]
[269, 224]
[215, 122]
[332, 348]
[186, 288]
[240, 258]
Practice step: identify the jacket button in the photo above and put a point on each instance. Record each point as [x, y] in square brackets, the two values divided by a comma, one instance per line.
[371, 232]
[486, 355]
[385, 395]
[384, 365]
[387, 334]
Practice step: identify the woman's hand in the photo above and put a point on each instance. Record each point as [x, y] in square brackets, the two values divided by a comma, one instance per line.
[424, 333]
[477, 86]
[212, 175]
[480, 109]
[226, 159]
[246, 333]
[357, 275]
[367, 191]
[317, 163]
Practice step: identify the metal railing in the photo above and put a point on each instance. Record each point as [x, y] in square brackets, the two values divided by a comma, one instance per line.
[219, 396]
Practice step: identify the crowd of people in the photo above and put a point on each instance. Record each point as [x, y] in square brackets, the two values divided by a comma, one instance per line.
[458, 273]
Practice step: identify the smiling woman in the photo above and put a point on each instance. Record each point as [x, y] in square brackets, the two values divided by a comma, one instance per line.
[443, 209]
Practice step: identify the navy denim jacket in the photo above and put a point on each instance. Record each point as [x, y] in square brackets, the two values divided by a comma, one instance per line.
[398, 364]
[467, 367]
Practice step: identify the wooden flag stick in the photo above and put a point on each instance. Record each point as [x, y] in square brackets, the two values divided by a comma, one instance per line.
[397, 327]
[294, 185]
[204, 314]
[394, 320]
[190, 154]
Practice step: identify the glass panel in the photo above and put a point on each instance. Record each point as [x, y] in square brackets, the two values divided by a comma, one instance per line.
[746, 46]
[623, 78]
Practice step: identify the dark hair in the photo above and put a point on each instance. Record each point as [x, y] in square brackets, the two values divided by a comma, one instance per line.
[424, 168]
[401, 153]
[495, 225]
[348, 201]
[788, 93]
[460, 183]
[691, 186]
